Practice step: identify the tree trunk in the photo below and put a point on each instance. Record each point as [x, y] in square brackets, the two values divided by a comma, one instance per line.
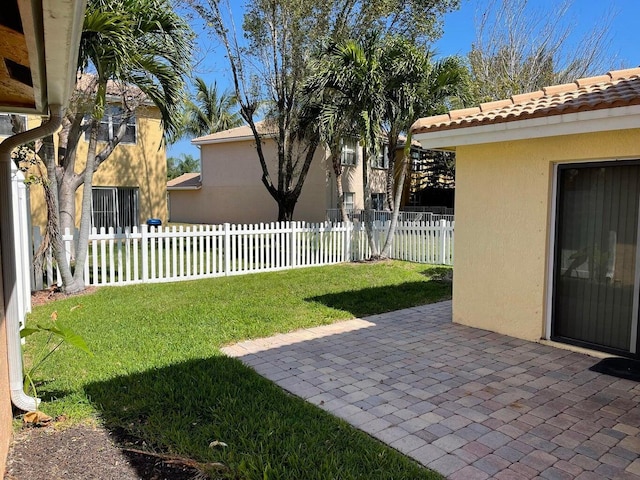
[67, 206]
[337, 171]
[392, 143]
[286, 206]
[399, 187]
[85, 216]
[52, 228]
[368, 214]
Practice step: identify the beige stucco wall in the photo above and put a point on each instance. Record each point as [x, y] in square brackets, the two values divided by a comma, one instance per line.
[352, 181]
[143, 165]
[503, 215]
[232, 190]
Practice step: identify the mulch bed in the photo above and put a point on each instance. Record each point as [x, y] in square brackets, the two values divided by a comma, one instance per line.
[84, 452]
[42, 297]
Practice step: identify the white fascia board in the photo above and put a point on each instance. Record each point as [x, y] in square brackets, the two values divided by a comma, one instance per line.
[602, 120]
[222, 140]
[62, 24]
[240, 138]
[199, 187]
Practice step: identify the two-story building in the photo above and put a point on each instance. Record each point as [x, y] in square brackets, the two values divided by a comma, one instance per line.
[130, 186]
[229, 187]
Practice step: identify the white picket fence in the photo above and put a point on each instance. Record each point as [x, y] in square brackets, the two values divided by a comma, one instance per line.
[157, 254]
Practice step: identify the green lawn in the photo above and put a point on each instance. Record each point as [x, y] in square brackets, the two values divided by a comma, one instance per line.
[158, 376]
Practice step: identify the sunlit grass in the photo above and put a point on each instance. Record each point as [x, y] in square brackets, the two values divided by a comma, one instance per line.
[157, 374]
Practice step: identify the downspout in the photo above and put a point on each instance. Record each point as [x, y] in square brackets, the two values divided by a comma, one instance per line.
[7, 248]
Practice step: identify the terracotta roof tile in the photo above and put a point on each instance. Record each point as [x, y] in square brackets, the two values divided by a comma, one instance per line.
[583, 82]
[464, 112]
[562, 88]
[620, 88]
[88, 82]
[525, 97]
[488, 106]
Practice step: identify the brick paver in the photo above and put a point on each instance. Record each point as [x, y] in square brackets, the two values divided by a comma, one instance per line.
[466, 402]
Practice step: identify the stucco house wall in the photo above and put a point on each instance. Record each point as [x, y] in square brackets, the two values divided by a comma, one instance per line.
[522, 237]
[232, 190]
[142, 165]
[504, 207]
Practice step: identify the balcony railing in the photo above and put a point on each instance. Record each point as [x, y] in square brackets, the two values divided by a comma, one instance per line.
[407, 215]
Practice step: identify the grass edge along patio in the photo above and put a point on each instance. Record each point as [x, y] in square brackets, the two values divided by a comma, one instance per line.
[158, 376]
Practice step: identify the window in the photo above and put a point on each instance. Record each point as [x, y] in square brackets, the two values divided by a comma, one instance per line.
[348, 198]
[110, 123]
[349, 151]
[114, 207]
[6, 127]
[382, 160]
[377, 201]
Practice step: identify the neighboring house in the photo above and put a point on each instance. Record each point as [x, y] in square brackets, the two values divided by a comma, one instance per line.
[230, 188]
[188, 185]
[38, 59]
[547, 208]
[130, 186]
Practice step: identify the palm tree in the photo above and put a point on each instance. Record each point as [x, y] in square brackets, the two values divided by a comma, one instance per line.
[380, 84]
[350, 75]
[417, 87]
[210, 111]
[143, 46]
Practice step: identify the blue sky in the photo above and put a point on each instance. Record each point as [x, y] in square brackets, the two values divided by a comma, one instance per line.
[459, 33]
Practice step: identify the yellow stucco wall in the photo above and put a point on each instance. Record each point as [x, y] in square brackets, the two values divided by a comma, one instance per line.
[143, 165]
[503, 215]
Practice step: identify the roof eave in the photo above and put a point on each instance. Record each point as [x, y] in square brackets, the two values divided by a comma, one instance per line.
[198, 187]
[52, 33]
[206, 141]
[618, 118]
[63, 23]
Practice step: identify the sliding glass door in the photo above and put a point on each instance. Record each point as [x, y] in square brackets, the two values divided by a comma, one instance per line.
[595, 301]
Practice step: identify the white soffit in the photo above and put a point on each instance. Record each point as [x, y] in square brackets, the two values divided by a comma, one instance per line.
[62, 23]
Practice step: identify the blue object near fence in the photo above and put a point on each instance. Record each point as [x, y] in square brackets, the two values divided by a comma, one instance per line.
[154, 222]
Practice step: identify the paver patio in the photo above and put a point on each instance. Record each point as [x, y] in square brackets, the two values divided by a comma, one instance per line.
[468, 403]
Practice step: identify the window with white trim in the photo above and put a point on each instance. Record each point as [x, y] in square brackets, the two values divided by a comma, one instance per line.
[382, 160]
[348, 198]
[110, 123]
[114, 207]
[377, 201]
[349, 154]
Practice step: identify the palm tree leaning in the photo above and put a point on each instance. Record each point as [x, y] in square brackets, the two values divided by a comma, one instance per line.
[143, 46]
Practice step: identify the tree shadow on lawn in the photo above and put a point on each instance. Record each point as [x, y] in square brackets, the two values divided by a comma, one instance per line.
[181, 409]
[374, 300]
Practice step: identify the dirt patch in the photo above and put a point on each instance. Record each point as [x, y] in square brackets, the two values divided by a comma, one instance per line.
[87, 453]
[42, 297]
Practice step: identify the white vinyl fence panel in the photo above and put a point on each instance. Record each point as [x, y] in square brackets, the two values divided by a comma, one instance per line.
[162, 254]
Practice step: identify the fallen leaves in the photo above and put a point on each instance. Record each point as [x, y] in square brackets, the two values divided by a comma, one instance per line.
[37, 419]
[217, 443]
